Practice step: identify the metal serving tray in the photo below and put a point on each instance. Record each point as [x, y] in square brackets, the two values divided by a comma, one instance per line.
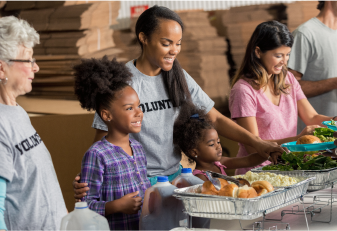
[221, 207]
[324, 177]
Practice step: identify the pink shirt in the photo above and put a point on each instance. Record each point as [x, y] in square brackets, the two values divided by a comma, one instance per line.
[274, 122]
[217, 163]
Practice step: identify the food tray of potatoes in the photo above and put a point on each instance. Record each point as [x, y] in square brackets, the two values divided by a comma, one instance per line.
[222, 207]
[323, 178]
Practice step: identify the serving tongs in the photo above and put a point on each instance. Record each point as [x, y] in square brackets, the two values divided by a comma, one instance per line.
[238, 181]
[214, 181]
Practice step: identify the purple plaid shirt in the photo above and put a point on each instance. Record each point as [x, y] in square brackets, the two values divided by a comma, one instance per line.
[111, 174]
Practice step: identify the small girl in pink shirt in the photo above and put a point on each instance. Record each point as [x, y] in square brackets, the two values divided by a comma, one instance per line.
[265, 98]
[194, 134]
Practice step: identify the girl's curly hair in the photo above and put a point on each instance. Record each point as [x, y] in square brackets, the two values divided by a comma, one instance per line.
[187, 131]
[97, 81]
[320, 4]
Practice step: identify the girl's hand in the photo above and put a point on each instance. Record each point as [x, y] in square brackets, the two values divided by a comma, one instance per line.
[265, 148]
[80, 189]
[130, 203]
[308, 130]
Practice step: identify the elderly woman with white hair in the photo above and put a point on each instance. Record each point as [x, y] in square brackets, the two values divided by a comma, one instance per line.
[30, 194]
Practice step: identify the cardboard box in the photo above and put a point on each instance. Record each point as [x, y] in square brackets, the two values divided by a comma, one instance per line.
[67, 138]
[65, 128]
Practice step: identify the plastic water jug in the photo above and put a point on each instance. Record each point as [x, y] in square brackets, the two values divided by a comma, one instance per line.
[161, 210]
[82, 218]
[187, 179]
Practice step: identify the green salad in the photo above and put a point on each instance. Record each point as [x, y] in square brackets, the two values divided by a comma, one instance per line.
[332, 122]
[324, 134]
[303, 161]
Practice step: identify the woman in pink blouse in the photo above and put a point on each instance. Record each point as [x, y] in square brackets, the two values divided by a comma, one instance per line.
[265, 98]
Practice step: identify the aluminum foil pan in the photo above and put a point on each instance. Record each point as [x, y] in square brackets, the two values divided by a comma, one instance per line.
[324, 177]
[220, 207]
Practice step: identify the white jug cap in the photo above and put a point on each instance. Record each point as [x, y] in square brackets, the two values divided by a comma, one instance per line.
[81, 205]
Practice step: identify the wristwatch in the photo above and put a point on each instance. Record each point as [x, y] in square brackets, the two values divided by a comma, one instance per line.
[334, 118]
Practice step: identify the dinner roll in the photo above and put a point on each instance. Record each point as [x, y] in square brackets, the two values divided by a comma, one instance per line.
[262, 187]
[229, 190]
[262, 192]
[308, 139]
[246, 192]
[208, 187]
[223, 182]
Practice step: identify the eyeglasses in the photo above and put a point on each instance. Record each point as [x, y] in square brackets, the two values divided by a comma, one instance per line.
[33, 61]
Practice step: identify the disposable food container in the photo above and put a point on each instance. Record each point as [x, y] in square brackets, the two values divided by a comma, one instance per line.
[293, 147]
[328, 124]
[221, 207]
[323, 178]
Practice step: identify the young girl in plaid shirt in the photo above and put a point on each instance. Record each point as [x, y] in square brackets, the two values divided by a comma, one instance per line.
[115, 166]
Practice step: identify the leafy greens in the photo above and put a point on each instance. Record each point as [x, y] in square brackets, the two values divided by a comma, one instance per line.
[303, 161]
[324, 134]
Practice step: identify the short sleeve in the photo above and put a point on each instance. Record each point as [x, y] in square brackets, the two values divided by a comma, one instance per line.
[242, 101]
[6, 163]
[300, 53]
[199, 97]
[98, 123]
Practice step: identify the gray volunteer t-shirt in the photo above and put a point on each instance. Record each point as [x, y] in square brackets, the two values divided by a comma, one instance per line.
[156, 135]
[314, 54]
[34, 199]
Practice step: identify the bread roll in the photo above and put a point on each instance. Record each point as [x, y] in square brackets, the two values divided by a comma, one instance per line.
[223, 182]
[262, 192]
[246, 192]
[208, 187]
[308, 139]
[262, 187]
[229, 190]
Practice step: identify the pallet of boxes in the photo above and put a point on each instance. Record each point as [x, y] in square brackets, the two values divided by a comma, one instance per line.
[241, 23]
[69, 31]
[203, 57]
[300, 12]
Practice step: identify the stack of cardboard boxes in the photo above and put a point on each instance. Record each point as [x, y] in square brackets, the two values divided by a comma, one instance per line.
[69, 31]
[240, 23]
[127, 41]
[300, 12]
[203, 56]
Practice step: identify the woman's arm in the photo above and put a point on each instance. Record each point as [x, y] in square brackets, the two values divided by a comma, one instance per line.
[3, 188]
[246, 161]
[227, 128]
[250, 124]
[308, 114]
